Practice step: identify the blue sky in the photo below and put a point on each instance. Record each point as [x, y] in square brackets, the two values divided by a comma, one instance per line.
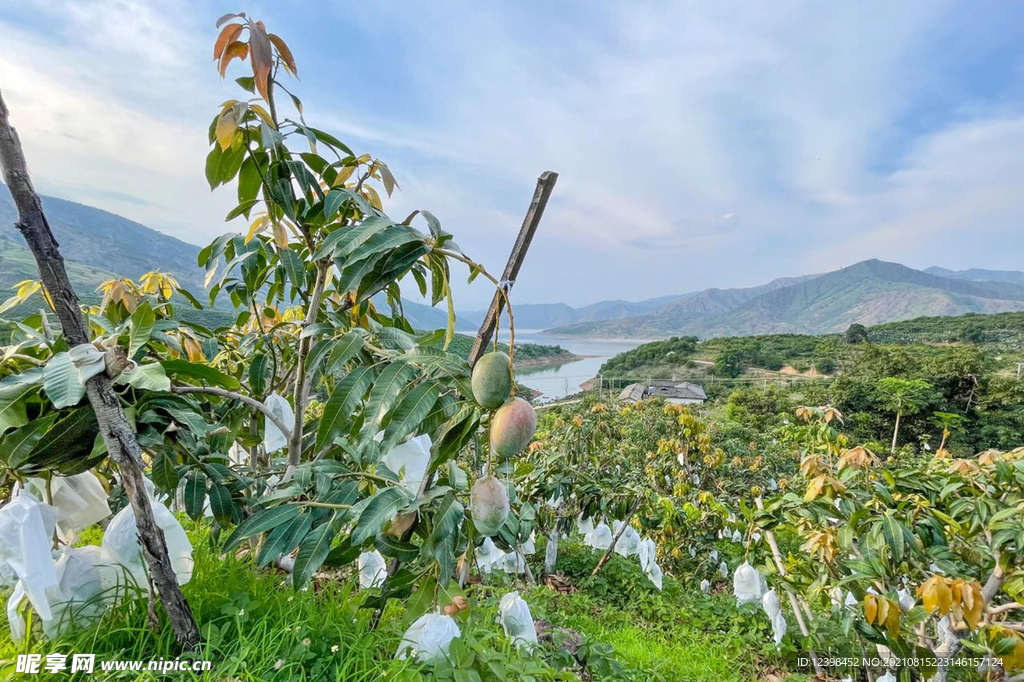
[698, 143]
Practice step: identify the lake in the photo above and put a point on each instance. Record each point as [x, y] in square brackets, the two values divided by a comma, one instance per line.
[558, 381]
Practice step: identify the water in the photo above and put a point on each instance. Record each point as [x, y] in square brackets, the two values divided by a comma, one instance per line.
[558, 381]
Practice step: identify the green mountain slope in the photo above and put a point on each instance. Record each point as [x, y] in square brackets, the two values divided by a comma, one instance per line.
[870, 292]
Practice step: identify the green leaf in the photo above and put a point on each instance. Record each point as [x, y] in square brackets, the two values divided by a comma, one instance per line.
[262, 520]
[409, 413]
[259, 374]
[312, 552]
[893, 533]
[384, 393]
[391, 546]
[339, 407]
[69, 444]
[344, 350]
[148, 377]
[195, 494]
[381, 509]
[447, 518]
[294, 267]
[143, 320]
[220, 503]
[165, 471]
[16, 447]
[60, 381]
[200, 371]
[284, 538]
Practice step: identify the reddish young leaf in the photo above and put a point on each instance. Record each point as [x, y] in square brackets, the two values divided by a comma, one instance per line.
[227, 36]
[229, 17]
[235, 49]
[286, 54]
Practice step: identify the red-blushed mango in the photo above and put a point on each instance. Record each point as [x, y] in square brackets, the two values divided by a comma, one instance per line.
[492, 380]
[488, 500]
[512, 427]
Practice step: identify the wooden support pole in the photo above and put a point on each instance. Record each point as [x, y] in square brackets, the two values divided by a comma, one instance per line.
[122, 446]
[545, 184]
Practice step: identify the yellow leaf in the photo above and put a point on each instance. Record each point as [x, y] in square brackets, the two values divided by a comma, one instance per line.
[263, 114]
[814, 488]
[892, 623]
[227, 124]
[344, 173]
[870, 608]
[256, 227]
[280, 236]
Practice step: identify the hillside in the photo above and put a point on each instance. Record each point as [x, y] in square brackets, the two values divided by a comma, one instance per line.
[104, 240]
[869, 292]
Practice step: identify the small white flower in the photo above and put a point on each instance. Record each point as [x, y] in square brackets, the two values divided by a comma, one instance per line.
[279, 664]
[306, 642]
[291, 598]
[241, 612]
[334, 649]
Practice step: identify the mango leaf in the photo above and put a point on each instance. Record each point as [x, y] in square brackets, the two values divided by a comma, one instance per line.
[199, 371]
[143, 320]
[148, 377]
[339, 407]
[165, 471]
[343, 350]
[262, 520]
[284, 538]
[67, 446]
[390, 546]
[220, 503]
[381, 508]
[60, 381]
[384, 393]
[16, 447]
[294, 267]
[409, 413]
[195, 494]
[312, 552]
[259, 374]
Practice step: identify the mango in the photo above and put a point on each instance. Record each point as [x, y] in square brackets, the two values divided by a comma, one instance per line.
[492, 380]
[488, 500]
[512, 427]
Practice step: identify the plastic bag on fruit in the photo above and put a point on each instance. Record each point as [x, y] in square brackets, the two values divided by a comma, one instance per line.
[409, 461]
[514, 616]
[87, 584]
[705, 586]
[79, 501]
[373, 570]
[26, 536]
[601, 537]
[778, 628]
[530, 546]
[121, 539]
[655, 575]
[584, 526]
[770, 603]
[428, 638]
[513, 562]
[647, 552]
[487, 556]
[748, 585]
[273, 438]
[629, 541]
[723, 570]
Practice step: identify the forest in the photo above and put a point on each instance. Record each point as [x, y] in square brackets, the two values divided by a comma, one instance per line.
[311, 488]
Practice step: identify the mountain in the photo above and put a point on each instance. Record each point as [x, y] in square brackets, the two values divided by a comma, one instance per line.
[979, 274]
[93, 237]
[870, 292]
[547, 315]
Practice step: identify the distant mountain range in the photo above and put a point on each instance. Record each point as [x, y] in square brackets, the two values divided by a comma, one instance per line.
[869, 292]
[98, 244]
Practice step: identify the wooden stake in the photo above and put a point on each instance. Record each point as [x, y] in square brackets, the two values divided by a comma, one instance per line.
[545, 184]
[122, 446]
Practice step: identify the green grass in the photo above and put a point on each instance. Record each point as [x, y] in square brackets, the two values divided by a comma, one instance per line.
[255, 627]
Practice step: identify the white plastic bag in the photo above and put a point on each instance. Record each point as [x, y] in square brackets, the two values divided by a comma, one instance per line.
[748, 585]
[723, 570]
[647, 552]
[429, 637]
[629, 541]
[737, 536]
[516, 621]
[410, 460]
[373, 570]
[584, 526]
[79, 501]
[513, 562]
[121, 539]
[87, 584]
[551, 552]
[778, 628]
[887, 677]
[705, 586]
[601, 537]
[26, 536]
[655, 575]
[487, 556]
[273, 438]
[714, 555]
[530, 546]
[907, 600]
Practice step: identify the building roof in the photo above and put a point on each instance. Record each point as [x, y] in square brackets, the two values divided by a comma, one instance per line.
[683, 390]
[633, 392]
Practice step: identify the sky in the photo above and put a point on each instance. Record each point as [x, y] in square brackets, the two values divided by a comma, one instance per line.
[698, 144]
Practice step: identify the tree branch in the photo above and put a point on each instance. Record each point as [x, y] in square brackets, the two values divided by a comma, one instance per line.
[251, 402]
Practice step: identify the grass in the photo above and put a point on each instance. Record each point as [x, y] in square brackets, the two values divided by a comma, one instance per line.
[255, 627]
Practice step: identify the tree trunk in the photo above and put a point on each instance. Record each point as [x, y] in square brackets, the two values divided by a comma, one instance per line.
[118, 435]
[895, 433]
